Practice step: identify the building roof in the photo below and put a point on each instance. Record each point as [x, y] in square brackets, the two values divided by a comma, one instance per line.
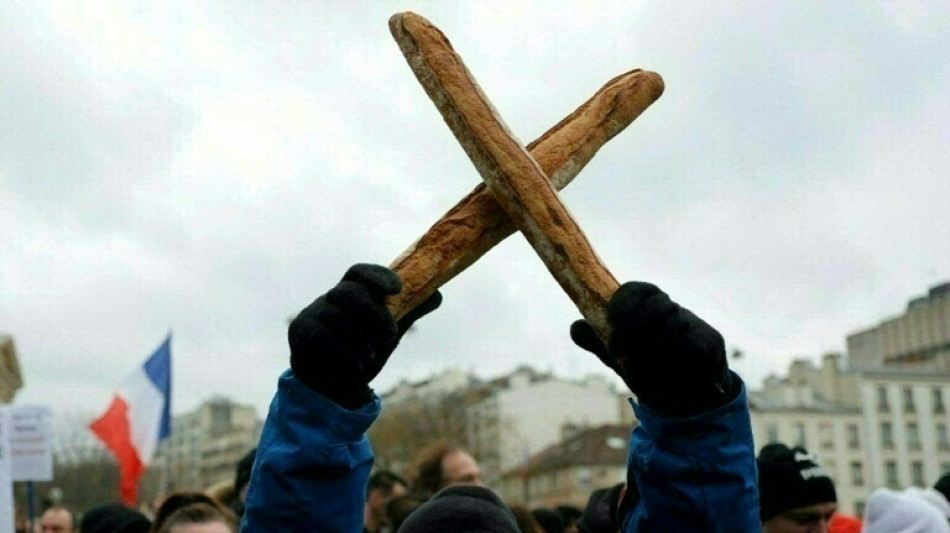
[601, 445]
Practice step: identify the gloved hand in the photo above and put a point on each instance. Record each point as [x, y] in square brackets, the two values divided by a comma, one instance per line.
[671, 359]
[341, 341]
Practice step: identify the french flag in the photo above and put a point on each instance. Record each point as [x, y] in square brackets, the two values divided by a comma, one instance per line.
[138, 418]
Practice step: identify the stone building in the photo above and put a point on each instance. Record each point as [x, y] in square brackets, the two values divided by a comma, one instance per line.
[869, 427]
[206, 444]
[920, 337]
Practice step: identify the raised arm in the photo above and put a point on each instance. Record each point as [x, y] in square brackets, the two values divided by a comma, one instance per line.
[691, 456]
[314, 459]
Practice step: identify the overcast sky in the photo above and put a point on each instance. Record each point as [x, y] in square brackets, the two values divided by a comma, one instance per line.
[211, 167]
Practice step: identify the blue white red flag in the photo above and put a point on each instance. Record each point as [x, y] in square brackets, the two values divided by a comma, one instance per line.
[138, 419]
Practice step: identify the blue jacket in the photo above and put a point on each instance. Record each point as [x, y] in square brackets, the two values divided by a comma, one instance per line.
[694, 474]
[313, 462]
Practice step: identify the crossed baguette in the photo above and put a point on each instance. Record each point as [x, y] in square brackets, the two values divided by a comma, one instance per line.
[519, 194]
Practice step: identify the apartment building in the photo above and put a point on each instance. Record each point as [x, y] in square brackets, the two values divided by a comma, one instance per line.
[869, 427]
[834, 433]
[920, 337]
[519, 414]
[430, 389]
[206, 444]
[568, 471]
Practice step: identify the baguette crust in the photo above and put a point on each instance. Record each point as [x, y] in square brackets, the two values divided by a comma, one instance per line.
[477, 223]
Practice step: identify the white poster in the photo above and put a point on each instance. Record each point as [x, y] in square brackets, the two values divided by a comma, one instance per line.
[6, 479]
[31, 443]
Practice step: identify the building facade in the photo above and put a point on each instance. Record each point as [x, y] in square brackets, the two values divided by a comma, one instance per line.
[869, 427]
[568, 471]
[206, 444]
[918, 338]
[430, 389]
[521, 413]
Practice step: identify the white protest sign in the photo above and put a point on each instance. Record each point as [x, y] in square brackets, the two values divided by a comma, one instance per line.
[31, 443]
[6, 479]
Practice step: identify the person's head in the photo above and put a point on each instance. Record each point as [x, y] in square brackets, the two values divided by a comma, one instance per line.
[796, 495]
[461, 509]
[890, 511]
[58, 519]
[175, 501]
[442, 465]
[114, 518]
[200, 518]
[382, 487]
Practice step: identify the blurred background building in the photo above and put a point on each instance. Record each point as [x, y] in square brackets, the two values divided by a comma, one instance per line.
[920, 337]
[877, 417]
[10, 377]
[206, 444]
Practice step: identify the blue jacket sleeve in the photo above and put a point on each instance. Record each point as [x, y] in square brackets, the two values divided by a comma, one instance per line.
[312, 464]
[694, 474]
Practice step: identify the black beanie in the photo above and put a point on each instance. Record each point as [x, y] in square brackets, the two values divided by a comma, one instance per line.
[114, 518]
[943, 485]
[243, 472]
[462, 509]
[789, 479]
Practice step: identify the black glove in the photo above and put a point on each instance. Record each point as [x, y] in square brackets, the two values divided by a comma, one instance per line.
[671, 359]
[341, 341]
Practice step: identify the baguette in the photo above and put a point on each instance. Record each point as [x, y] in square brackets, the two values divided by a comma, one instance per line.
[477, 223]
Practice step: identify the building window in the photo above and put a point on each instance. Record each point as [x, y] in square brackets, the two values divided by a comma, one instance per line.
[854, 441]
[882, 404]
[859, 508]
[908, 395]
[938, 400]
[945, 468]
[917, 473]
[887, 435]
[824, 434]
[857, 474]
[890, 474]
[773, 433]
[913, 436]
[583, 479]
[942, 442]
[800, 435]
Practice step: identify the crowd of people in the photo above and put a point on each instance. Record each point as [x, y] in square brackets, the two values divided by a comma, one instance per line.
[691, 461]
[215, 510]
[796, 495]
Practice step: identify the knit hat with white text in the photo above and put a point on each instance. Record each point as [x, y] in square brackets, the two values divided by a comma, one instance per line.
[790, 478]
